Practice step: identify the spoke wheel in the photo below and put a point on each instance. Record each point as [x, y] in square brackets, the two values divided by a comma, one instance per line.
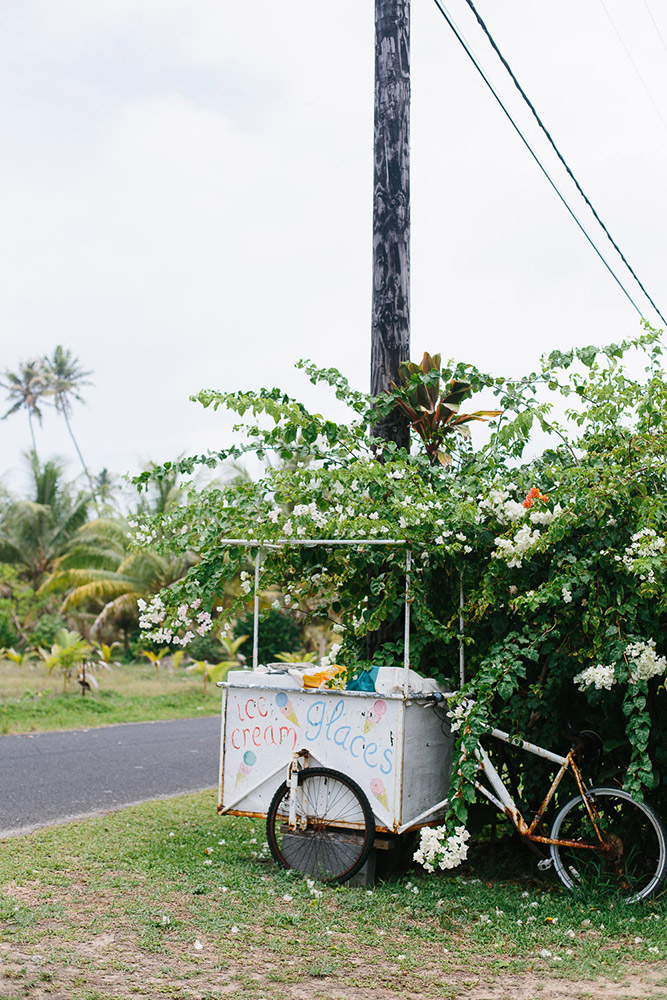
[334, 830]
[633, 858]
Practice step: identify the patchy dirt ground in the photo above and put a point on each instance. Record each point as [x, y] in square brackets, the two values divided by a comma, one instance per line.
[107, 966]
[81, 941]
[65, 961]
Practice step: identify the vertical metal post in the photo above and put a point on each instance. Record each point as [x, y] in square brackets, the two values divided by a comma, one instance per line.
[406, 633]
[255, 622]
[462, 662]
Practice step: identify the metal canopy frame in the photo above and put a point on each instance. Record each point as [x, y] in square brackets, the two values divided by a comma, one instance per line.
[324, 542]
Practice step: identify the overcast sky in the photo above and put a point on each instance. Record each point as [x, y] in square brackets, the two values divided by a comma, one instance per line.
[186, 185]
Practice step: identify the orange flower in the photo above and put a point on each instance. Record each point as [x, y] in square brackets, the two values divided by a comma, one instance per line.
[533, 495]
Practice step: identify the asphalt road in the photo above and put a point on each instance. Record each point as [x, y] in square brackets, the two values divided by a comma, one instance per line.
[48, 778]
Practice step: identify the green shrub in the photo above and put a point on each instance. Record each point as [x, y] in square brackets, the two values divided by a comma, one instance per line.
[550, 573]
[206, 647]
[45, 632]
[277, 634]
[22, 611]
[8, 634]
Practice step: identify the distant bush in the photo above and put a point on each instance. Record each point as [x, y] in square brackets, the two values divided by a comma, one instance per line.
[45, 631]
[277, 634]
[8, 634]
[23, 612]
[207, 647]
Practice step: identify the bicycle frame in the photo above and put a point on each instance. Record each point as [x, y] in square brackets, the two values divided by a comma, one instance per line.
[297, 816]
[503, 801]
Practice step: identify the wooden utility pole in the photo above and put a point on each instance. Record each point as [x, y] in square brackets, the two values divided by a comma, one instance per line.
[390, 337]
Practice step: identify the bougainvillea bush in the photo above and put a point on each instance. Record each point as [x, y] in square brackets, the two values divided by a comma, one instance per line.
[561, 557]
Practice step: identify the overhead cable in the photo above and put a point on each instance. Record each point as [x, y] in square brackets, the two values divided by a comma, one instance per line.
[559, 154]
[655, 24]
[534, 155]
[634, 65]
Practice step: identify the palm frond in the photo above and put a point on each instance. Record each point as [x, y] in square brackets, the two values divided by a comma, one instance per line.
[84, 556]
[122, 607]
[102, 591]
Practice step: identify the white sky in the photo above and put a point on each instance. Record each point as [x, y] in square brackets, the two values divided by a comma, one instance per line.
[185, 189]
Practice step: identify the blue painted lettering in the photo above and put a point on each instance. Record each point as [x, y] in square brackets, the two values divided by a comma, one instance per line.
[315, 718]
[339, 708]
[331, 722]
[342, 735]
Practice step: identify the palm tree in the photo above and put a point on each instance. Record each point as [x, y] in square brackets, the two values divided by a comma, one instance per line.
[100, 574]
[65, 377]
[34, 533]
[26, 389]
[105, 488]
[68, 655]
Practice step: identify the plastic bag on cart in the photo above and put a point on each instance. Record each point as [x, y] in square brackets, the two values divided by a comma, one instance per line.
[311, 676]
[365, 680]
[391, 680]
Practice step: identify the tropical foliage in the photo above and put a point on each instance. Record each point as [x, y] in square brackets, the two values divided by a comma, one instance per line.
[67, 655]
[58, 569]
[26, 389]
[27, 619]
[55, 378]
[561, 559]
[62, 573]
[277, 633]
[100, 575]
[36, 531]
[211, 673]
[432, 413]
[64, 379]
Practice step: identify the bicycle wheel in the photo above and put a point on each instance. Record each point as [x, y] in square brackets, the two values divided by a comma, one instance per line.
[633, 859]
[335, 826]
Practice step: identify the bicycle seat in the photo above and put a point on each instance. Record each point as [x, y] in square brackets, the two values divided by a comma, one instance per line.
[588, 746]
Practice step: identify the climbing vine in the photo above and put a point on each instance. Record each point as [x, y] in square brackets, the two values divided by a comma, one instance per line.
[562, 556]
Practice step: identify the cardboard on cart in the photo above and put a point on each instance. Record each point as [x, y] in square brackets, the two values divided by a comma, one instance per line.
[398, 749]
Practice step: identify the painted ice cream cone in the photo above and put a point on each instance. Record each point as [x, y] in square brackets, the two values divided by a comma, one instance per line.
[286, 708]
[245, 767]
[374, 716]
[379, 791]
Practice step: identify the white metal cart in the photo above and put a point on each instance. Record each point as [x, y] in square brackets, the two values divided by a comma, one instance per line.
[330, 769]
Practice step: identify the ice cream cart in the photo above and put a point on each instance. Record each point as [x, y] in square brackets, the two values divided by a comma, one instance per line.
[330, 769]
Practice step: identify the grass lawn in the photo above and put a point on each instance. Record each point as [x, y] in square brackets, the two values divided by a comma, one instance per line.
[31, 700]
[168, 900]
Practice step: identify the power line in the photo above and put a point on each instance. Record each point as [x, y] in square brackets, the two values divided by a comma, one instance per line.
[634, 65]
[518, 131]
[558, 153]
[655, 23]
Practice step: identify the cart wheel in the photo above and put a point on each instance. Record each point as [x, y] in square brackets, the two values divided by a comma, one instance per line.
[335, 828]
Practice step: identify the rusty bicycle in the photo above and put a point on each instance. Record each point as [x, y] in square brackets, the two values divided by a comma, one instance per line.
[382, 769]
[601, 838]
